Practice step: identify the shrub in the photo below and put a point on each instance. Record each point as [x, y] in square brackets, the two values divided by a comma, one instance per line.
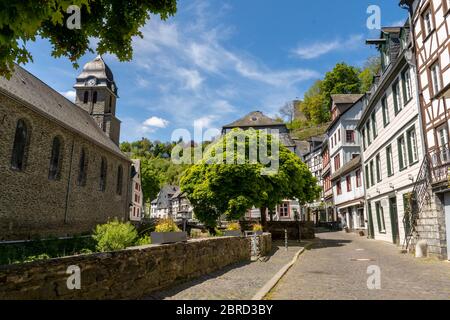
[257, 227]
[234, 227]
[114, 235]
[167, 225]
[42, 256]
[143, 241]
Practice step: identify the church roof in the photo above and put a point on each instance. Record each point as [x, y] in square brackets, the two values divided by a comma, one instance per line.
[38, 96]
[254, 119]
[97, 68]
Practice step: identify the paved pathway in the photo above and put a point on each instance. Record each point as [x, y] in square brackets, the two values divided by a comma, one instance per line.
[236, 282]
[330, 270]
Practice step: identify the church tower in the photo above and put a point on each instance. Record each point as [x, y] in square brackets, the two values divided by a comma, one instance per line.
[96, 93]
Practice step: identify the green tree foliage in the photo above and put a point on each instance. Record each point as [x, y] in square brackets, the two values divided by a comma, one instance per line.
[343, 79]
[156, 173]
[314, 106]
[216, 188]
[115, 235]
[157, 169]
[370, 69]
[113, 22]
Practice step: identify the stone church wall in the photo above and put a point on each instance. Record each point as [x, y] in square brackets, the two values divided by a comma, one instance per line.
[31, 204]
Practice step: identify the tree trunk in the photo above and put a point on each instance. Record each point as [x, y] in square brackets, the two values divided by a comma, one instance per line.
[263, 216]
[271, 214]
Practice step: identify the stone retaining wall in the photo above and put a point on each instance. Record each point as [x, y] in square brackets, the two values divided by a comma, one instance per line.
[125, 274]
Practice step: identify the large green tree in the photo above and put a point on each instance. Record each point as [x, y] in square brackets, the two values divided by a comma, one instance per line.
[217, 187]
[112, 22]
[343, 79]
[371, 68]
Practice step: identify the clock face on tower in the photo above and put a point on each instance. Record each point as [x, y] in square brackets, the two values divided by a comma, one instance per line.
[92, 82]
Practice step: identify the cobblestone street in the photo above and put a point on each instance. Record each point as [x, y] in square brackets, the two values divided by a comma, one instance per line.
[236, 282]
[330, 270]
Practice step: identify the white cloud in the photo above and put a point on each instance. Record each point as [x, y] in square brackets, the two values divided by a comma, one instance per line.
[191, 73]
[318, 49]
[192, 78]
[71, 94]
[155, 122]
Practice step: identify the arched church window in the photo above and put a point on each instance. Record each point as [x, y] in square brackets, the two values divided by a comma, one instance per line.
[21, 140]
[103, 174]
[86, 97]
[94, 97]
[55, 160]
[119, 180]
[82, 168]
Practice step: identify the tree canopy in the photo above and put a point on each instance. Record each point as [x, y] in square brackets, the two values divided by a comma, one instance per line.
[216, 187]
[112, 22]
[343, 79]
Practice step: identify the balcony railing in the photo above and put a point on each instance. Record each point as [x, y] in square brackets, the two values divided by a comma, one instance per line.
[440, 163]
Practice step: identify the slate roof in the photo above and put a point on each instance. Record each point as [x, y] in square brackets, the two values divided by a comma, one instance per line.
[349, 166]
[254, 119]
[345, 98]
[164, 196]
[38, 96]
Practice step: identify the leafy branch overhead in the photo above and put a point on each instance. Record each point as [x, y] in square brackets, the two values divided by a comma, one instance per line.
[112, 22]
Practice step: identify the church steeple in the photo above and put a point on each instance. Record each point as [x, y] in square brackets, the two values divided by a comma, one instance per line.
[96, 93]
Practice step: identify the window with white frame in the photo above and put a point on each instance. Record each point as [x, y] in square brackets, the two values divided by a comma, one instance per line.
[427, 22]
[435, 71]
[407, 85]
[412, 146]
[397, 97]
[385, 110]
[402, 155]
[283, 210]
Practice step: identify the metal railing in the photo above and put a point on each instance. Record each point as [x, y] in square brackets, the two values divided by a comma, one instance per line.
[440, 163]
[416, 200]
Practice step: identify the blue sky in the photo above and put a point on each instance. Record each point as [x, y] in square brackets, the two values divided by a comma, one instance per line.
[217, 60]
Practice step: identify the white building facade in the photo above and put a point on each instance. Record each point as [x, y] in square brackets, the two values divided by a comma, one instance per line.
[346, 174]
[392, 142]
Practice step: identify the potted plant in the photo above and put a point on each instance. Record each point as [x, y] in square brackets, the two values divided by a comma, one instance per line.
[167, 231]
[233, 230]
[258, 229]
